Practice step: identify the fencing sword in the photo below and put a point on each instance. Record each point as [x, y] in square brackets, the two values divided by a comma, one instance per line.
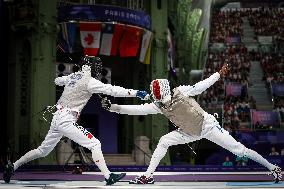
[46, 109]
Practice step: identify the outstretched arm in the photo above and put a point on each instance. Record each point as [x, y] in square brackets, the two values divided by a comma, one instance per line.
[96, 86]
[142, 109]
[201, 86]
[61, 81]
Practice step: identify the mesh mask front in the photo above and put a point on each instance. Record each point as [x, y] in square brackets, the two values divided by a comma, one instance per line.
[95, 63]
[160, 88]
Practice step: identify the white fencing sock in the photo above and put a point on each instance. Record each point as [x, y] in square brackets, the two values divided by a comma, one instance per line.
[29, 156]
[258, 158]
[99, 160]
[158, 154]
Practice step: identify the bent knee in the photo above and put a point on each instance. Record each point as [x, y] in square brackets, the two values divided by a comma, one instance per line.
[239, 150]
[96, 144]
[163, 142]
[42, 152]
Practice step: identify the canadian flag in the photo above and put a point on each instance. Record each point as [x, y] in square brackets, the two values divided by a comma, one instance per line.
[90, 37]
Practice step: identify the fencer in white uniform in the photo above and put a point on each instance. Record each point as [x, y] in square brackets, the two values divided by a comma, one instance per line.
[78, 89]
[192, 121]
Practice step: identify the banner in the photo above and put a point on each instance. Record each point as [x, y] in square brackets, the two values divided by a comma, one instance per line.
[234, 89]
[265, 39]
[265, 117]
[102, 13]
[217, 46]
[233, 39]
[277, 89]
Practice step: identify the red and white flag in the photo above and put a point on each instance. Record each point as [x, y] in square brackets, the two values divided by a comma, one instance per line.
[110, 39]
[90, 37]
[146, 39]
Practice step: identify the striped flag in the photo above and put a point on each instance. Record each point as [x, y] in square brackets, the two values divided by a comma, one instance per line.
[110, 39]
[147, 59]
[146, 39]
[68, 32]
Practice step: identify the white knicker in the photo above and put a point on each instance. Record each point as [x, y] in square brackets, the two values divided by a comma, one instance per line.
[64, 124]
[212, 131]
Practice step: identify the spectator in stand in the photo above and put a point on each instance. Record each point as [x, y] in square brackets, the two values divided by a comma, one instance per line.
[227, 162]
[282, 152]
[228, 128]
[238, 58]
[273, 67]
[177, 159]
[258, 125]
[267, 22]
[254, 55]
[236, 122]
[241, 161]
[273, 152]
[252, 102]
[224, 25]
[279, 106]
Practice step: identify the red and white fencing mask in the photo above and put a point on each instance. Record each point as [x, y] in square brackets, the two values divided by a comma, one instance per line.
[160, 90]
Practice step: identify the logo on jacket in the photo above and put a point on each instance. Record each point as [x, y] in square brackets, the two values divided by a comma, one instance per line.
[84, 131]
[74, 78]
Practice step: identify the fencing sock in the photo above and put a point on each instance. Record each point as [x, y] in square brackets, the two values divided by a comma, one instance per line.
[258, 158]
[99, 160]
[29, 156]
[158, 154]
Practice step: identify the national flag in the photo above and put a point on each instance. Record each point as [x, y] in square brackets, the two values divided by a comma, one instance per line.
[147, 59]
[110, 39]
[68, 32]
[130, 41]
[145, 44]
[90, 37]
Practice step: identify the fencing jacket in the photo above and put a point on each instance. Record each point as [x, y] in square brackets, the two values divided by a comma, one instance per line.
[185, 113]
[80, 86]
[182, 110]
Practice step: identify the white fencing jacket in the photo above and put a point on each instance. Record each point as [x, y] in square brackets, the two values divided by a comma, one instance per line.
[79, 87]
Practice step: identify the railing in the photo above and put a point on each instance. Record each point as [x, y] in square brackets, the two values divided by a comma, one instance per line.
[144, 154]
[132, 144]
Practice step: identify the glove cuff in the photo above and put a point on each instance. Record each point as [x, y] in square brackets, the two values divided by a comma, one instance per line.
[141, 94]
[114, 108]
